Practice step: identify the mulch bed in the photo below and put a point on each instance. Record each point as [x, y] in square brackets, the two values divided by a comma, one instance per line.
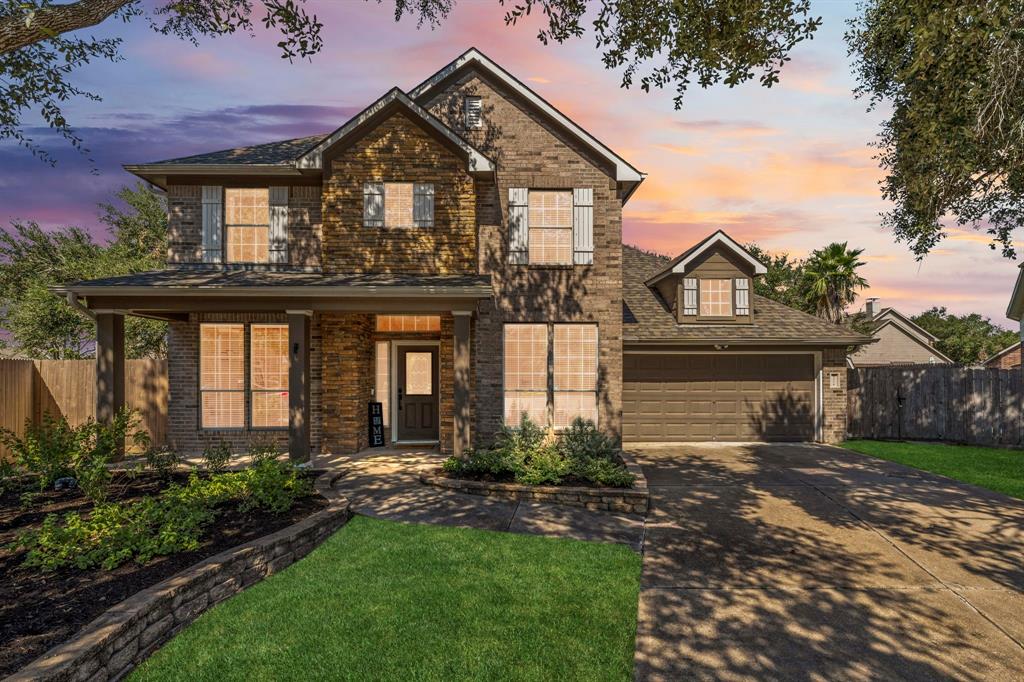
[39, 610]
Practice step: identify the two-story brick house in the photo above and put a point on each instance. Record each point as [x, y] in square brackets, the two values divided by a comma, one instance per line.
[453, 252]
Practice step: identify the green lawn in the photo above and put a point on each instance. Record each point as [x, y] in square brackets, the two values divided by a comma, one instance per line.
[385, 600]
[993, 468]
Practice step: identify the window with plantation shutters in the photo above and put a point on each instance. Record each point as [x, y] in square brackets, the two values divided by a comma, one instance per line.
[551, 227]
[222, 376]
[742, 290]
[247, 224]
[689, 296]
[268, 369]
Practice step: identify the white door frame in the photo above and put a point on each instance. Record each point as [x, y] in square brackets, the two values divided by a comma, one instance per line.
[393, 389]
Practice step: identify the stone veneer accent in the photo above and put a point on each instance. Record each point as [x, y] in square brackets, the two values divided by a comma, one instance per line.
[833, 361]
[113, 644]
[634, 500]
[183, 424]
[398, 150]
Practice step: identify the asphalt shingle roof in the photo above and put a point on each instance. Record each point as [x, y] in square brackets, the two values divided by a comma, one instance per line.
[249, 277]
[646, 316]
[280, 152]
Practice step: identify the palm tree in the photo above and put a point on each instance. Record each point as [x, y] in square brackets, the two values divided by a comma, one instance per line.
[831, 280]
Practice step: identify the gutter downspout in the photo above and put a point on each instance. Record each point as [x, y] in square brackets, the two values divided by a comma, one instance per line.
[73, 301]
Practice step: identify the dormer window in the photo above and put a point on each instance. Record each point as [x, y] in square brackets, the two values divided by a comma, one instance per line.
[716, 298]
[474, 112]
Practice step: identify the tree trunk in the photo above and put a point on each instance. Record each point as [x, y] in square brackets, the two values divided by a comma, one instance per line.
[16, 31]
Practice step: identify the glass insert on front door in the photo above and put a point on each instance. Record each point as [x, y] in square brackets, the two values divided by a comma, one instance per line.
[419, 378]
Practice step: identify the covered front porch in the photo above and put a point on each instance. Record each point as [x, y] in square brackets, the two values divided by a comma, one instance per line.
[299, 359]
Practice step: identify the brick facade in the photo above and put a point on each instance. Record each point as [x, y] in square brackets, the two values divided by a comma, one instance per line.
[398, 150]
[1008, 360]
[833, 364]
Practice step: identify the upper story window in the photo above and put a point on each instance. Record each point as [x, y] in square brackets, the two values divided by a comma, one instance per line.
[550, 236]
[474, 112]
[408, 323]
[398, 204]
[716, 297]
[247, 224]
[551, 227]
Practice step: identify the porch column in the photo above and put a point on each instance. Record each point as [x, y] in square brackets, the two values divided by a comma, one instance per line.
[298, 384]
[109, 365]
[462, 379]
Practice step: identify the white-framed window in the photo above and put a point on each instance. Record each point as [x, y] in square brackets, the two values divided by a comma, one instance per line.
[247, 224]
[268, 376]
[222, 376]
[550, 220]
[526, 372]
[398, 204]
[569, 371]
[474, 112]
[716, 297]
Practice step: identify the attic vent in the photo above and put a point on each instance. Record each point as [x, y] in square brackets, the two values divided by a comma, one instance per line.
[474, 112]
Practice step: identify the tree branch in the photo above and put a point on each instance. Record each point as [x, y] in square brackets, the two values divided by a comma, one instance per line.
[20, 30]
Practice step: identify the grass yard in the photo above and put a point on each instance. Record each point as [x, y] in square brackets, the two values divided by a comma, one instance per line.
[993, 468]
[385, 600]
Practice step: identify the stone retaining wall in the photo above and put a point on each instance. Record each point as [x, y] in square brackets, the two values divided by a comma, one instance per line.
[636, 499]
[117, 641]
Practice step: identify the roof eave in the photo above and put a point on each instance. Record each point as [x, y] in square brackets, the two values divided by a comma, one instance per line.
[763, 341]
[309, 291]
[1015, 310]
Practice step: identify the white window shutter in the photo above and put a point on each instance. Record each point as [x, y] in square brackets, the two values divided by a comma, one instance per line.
[518, 225]
[423, 205]
[583, 226]
[690, 296]
[213, 223]
[742, 289]
[373, 204]
[278, 224]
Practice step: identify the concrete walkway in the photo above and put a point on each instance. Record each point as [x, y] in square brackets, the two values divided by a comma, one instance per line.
[385, 483]
[809, 562]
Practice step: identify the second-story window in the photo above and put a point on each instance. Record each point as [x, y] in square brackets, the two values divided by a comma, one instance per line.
[398, 204]
[247, 224]
[550, 220]
[716, 297]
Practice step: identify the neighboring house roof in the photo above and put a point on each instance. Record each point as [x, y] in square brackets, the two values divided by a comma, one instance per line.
[1009, 349]
[1015, 310]
[646, 318]
[273, 282]
[476, 160]
[885, 350]
[887, 314]
[624, 171]
[678, 264]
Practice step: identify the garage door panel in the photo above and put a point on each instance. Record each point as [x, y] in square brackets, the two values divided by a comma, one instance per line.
[684, 397]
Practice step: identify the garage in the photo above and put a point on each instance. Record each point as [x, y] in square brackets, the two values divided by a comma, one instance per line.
[718, 397]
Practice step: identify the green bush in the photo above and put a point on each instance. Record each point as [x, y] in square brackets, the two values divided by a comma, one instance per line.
[530, 455]
[217, 456]
[47, 449]
[262, 449]
[172, 521]
[163, 460]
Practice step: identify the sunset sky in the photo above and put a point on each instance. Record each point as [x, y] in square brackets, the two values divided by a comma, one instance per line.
[788, 167]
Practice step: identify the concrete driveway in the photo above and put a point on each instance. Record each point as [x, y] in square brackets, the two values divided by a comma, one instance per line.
[809, 562]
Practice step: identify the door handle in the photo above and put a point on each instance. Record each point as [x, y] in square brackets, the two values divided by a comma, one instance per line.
[399, 398]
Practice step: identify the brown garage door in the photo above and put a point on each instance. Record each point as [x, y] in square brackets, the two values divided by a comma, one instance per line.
[682, 397]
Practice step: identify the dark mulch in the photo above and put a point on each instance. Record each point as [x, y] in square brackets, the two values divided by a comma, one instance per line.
[39, 610]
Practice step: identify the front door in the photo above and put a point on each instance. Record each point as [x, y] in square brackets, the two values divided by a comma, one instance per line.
[417, 393]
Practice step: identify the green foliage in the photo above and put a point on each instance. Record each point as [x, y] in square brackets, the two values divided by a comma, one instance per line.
[33, 259]
[952, 148]
[170, 522]
[530, 455]
[163, 460]
[263, 449]
[8, 473]
[217, 456]
[965, 339]
[784, 279]
[831, 281]
[46, 449]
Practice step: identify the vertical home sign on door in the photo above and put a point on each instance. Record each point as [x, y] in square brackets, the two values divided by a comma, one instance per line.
[376, 424]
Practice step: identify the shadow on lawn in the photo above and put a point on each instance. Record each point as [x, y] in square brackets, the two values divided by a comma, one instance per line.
[769, 562]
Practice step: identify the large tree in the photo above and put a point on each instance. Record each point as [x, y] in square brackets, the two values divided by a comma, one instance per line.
[784, 279]
[655, 43]
[831, 280]
[952, 148]
[32, 260]
[966, 339]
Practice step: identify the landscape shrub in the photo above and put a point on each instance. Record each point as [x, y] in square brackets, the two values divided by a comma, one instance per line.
[262, 449]
[47, 449]
[531, 455]
[217, 456]
[163, 460]
[172, 521]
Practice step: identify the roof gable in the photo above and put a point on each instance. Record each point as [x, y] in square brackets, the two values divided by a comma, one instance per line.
[624, 171]
[909, 325]
[312, 158]
[679, 264]
[895, 324]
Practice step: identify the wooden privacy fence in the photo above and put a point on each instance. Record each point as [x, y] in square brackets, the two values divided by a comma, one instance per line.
[30, 389]
[937, 402]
